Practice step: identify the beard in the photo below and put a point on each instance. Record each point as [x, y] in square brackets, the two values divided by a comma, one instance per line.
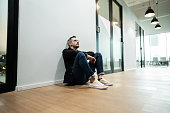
[76, 47]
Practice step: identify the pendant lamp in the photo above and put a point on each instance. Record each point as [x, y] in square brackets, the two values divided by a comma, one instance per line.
[154, 20]
[158, 26]
[149, 12]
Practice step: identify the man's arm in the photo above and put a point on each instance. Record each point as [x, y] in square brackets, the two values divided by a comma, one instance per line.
[92, 59]
[91, 53]
[67, 54]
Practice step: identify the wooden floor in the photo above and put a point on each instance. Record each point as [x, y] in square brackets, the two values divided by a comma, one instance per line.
[136, 91]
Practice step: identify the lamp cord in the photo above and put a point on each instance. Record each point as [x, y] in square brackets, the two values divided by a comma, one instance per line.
[153, 5]
[157, 7]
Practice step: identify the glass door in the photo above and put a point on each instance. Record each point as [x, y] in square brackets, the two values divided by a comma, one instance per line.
[103, 33]
[117, 36]
[8, 44]
[109, 34]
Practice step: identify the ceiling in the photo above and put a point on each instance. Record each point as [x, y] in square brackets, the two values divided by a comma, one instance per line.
[139, 8]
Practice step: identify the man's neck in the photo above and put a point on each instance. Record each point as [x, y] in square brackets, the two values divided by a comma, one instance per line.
[73, 48]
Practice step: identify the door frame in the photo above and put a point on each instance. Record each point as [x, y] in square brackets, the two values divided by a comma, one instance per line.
[142, 47]
[111, 35]
[143, 35]
[12, 47]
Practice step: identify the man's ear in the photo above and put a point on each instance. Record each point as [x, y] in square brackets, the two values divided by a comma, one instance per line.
[70, 44]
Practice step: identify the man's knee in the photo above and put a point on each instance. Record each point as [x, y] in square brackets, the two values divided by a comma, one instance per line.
[98, 54]
[81, 54]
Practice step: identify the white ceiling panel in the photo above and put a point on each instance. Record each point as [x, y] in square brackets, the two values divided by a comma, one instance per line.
[134, 2]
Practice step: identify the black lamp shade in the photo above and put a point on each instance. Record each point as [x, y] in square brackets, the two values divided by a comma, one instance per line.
[149, 12]
[157, 26]
[154, 20]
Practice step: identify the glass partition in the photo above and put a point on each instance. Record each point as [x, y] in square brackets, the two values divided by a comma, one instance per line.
[8, 44]
[157, 49]
[109, 34]
[104, 34]
[3, 39]
[117, 44]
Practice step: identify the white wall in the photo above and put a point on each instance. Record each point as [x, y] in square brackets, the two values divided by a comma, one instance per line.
[44, 27]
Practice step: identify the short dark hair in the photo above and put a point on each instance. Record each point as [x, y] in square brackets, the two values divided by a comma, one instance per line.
[69, 40]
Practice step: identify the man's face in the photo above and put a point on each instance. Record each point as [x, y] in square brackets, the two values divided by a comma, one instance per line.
[74, 43]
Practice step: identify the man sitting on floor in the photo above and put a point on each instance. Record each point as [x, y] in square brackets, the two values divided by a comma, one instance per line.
[79, 71]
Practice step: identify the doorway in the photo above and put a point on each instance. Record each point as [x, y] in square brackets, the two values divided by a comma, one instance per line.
[8, 44]
[109, 34]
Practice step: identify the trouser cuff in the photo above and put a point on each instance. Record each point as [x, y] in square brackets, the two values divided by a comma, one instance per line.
[102, 73]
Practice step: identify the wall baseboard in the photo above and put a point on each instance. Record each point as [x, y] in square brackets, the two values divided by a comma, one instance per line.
[37, 85]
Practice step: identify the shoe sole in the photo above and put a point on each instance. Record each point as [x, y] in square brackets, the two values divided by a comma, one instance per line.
[109, 84]
[102, 88]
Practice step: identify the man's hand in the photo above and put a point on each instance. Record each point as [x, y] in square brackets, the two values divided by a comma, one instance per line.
[92, 59]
